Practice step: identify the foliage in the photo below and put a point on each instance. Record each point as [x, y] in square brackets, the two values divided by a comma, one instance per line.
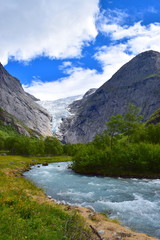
[28, 146]
[125, 125]
[53, 146]
[72, 149]
[126, 148]
[7, 130]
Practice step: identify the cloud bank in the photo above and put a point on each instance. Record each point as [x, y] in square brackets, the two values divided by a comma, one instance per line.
[57, 29]
[60, 29]
[133, 40]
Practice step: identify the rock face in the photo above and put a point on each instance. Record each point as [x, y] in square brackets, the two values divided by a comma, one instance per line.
[76, 105]
[8, 119]
[137, 82]
[16, 102]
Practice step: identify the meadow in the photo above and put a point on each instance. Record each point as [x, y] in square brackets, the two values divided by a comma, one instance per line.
[25, 210]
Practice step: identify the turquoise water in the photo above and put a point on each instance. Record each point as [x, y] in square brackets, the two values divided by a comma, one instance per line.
[136, 202]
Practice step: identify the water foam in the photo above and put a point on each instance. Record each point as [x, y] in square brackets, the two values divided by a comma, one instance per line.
[136, 202]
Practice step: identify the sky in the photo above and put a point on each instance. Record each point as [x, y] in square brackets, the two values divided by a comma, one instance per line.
[59, 48]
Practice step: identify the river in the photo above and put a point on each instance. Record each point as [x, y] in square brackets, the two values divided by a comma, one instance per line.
[135, 202]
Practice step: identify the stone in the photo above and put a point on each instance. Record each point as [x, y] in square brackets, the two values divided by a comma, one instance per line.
[101, 232]
[137, 82]
[44, 164]
[3, 154]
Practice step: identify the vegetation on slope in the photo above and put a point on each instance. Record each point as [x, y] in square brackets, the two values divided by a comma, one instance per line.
[155, 117]
[18, 144]
[128, 148]
[12, 126]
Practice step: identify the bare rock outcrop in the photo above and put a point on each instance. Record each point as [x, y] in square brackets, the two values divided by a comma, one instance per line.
[137, 82]
[16, 102]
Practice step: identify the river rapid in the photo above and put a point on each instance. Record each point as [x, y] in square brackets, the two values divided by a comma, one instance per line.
[135, 202]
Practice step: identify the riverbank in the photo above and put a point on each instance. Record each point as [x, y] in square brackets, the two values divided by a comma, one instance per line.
[26, 213]
[108, 229]
[123, 175]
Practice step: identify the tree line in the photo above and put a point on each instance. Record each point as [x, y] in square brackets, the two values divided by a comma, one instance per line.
[127, 148]
[29, 146]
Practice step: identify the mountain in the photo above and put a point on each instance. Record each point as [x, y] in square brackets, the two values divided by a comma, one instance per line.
[59, 109]
[9, 122]
[22, 106]
[137, 82]
[75, 106]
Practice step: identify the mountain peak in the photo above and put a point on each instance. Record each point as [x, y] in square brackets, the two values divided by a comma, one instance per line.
[137, 82]
[3, 70]
[137, 69]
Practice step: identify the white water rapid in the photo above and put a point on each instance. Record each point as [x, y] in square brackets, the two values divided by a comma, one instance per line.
[136, 202]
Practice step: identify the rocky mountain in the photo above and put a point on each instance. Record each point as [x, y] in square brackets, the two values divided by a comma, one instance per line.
[8, 119]
[154, 118]
[75, 106]
[21, 105]
[137, 82]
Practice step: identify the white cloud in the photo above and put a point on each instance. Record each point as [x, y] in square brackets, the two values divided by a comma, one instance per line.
[77, 83]
[117, 32]
[147, 39]
[55, 28]
[152, 9]
[80, 79]
[112, 58]
[66, 67]
[60, 30]
[110, 18]
[133, 40]
[139, 38]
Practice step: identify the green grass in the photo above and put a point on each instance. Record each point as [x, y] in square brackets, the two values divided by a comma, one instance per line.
[25, 212]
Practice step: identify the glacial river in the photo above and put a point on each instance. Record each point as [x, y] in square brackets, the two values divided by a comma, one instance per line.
[135, 202]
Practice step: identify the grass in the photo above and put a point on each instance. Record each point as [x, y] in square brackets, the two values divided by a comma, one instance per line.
[25, 212]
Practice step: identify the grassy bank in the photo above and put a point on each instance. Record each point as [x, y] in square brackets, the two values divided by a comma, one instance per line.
[25, 212]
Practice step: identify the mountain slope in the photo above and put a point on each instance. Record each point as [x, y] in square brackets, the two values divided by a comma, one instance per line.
[137, 82]
[16, 102]
[10, 122]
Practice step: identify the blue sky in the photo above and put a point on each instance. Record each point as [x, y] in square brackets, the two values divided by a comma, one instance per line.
[63, 48]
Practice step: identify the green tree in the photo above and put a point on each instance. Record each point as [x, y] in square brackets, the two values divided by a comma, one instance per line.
[124, 125]
[101, 141]
[132, 120]
[2, 141]
[36, 147]
[53, 146]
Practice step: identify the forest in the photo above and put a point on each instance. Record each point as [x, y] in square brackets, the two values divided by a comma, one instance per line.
[128, 148]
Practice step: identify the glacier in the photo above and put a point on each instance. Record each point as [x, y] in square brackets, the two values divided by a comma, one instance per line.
[58, 109]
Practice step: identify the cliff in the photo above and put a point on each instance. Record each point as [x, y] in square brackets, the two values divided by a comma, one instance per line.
[137, 82]
[21, 105]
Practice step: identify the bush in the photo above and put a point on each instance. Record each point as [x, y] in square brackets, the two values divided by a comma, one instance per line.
[53, 146]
